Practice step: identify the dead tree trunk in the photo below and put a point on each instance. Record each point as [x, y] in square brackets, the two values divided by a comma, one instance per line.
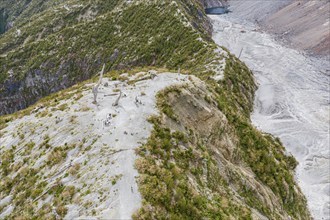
[240, 53]
[117, 100]
[96, 87]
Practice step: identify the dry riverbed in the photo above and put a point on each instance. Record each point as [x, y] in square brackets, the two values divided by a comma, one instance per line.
[292, 102]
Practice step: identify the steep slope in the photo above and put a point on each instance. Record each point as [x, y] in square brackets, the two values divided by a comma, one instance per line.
[292, 102]
[205, 160]
[198, 157]
[63, 44]
[21, 10]
[60, 159]
[302, 24]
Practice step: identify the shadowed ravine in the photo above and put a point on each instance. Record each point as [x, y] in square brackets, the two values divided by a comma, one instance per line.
[292, 102]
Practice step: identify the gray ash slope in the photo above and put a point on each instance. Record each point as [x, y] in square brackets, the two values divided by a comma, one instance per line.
[303, 25]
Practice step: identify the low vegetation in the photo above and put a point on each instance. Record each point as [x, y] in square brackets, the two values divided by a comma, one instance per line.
[66, 49]
[262, 152]
[172, 167]
[167, 164]
[180, 177]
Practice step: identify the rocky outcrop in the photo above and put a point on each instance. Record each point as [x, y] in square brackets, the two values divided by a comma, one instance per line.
[211, 129]
[213, 3]
[196, 158]
[19, 94]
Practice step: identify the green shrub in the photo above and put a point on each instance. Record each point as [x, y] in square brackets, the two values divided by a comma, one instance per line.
[56, 156]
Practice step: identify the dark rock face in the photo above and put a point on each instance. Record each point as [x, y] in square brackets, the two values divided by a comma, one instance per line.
[200, 18]
[217, 10]
[3, 21]
[213, 3]
[19, 94]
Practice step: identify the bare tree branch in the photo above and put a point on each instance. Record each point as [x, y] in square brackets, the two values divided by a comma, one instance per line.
[240, 53]
[96, 87]
[117, 100]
